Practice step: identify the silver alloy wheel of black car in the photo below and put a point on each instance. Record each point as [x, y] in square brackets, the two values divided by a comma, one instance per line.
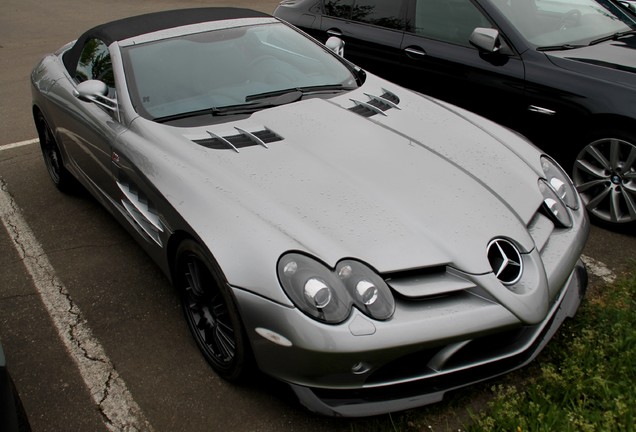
[605, 176]
[52, 157]
[210, 311]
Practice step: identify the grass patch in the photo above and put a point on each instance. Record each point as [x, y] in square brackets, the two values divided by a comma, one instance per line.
[584, 380]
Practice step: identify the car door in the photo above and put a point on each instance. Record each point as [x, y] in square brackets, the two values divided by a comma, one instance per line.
[371, 29]
[85, 128]
[439, 60]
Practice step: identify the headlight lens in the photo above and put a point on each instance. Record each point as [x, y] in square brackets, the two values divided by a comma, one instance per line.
[559, 181]
[369, 292]
[329, 295]
[554, 205]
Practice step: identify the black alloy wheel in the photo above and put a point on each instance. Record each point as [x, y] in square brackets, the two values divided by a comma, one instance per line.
[605, 176]
[211, 312]
[52, 156]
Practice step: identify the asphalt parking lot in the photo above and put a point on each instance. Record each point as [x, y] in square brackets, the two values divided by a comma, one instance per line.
[93, 332]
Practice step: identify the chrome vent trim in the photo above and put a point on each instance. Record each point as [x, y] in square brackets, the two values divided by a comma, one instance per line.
[382, 100]
[223, 140]
[140, 211]
[376, 104]
[369, 107]
[243, 138]
[251, 136]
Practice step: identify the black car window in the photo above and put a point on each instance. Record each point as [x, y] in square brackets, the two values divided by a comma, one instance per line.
[447, 20]
[384, 13]
[339, 8]
[94, 63]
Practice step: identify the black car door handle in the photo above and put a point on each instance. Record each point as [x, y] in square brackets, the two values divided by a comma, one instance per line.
[414, 52]
[334, 32]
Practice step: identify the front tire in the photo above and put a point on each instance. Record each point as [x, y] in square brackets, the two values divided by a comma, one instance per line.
[605, 176]
[211, 312]
[60, 176]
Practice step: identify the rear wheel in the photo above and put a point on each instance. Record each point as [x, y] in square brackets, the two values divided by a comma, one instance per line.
[211, 312]
[62, 179]
[605, 176]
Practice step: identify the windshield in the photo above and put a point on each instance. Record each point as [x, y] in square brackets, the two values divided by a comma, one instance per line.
[553, 23]
[228, 68]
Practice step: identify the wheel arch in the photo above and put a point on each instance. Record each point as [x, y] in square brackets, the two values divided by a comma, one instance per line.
[172, 250]
[174, 241]
[609, 122]
[593, 126]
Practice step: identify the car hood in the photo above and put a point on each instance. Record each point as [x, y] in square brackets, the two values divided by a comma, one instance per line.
[611, 60]
[420, 186]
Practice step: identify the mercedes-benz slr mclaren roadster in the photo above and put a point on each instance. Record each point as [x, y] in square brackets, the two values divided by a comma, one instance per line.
[372, 247]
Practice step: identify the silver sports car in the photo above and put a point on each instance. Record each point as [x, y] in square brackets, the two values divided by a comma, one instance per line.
[372, 247]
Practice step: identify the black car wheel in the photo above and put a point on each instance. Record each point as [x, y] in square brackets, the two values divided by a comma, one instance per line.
[62, 179]
[605, 176]
[211, 312]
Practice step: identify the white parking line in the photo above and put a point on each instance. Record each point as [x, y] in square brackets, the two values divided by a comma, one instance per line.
[115, 403]
[18, 144]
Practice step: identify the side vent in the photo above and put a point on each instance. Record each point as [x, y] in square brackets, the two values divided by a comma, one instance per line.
[240, 140]
[376, 104]
[140, 211]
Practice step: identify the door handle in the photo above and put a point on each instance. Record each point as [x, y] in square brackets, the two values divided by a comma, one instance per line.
[414, 52]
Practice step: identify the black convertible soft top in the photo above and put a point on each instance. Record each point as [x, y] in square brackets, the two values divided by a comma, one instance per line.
[141, 24]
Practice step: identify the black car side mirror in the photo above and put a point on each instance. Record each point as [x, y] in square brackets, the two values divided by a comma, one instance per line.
[486, 39]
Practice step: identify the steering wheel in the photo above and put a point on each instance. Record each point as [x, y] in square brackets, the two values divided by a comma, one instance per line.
[571, 18]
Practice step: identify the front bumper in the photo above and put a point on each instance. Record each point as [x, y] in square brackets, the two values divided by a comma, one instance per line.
[342, 371]
[373, 401]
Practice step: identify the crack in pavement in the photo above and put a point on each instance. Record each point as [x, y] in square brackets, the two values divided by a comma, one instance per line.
[118, 409]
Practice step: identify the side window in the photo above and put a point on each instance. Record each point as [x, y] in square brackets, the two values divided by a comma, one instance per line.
[95, 63]
[384, 13]
[447, 20]
[339, 8]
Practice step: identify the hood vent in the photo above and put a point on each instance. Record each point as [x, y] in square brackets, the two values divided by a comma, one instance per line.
[376, 104]
[242, 139]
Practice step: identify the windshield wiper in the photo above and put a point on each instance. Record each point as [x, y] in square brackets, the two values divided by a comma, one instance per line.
[559, 47]
[615, 36]
[329, 88]
[245, 108]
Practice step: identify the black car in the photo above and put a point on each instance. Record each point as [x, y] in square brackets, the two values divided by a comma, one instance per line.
[562, 72]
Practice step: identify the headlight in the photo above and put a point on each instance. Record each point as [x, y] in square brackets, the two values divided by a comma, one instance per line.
[328, 295]
[369, 292]
[554, 205]
[559, 181]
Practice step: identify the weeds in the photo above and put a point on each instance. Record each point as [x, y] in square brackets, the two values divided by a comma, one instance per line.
[583, 381]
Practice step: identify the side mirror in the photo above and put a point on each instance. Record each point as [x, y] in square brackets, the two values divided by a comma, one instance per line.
[486, 39]
[628, 5]
[95, 91]
[336, 45]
